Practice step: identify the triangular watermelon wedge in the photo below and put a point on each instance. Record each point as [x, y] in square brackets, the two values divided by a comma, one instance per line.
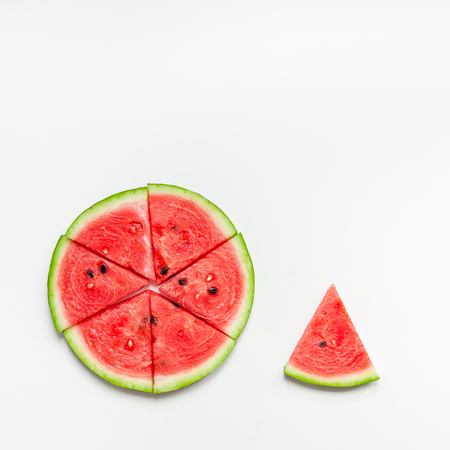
[185, 349]
[118, 228]
[330, 352]
[81, 283]
[116, 343]
[184, 227]
[218, 288]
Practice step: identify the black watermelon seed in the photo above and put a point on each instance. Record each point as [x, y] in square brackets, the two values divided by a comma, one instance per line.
[90, 274]
[154, 320]
[182, 281]
[322, 343]
[175, 304]
[213, 290]
[164, 270]
[103, 269]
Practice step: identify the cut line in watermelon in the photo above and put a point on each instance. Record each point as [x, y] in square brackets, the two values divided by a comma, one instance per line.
[330, 352]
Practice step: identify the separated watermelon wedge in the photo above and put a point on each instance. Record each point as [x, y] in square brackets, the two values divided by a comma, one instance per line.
[330, 352]
[184, 227]
[218, 288]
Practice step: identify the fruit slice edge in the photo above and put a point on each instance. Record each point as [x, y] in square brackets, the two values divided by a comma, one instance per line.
[356, 379]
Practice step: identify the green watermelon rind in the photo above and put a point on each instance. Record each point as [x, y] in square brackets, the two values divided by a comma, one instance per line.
[235, 328]
[173, 382]
[56, 309]
[107, 204]
[222, 220]
[354, 379]
[76, 342]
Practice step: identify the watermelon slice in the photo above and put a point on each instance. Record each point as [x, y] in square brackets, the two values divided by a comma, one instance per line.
[118, 228]
[184, 227]
[81, 283]
[116, 343]
[185, 349]
[218, 288]
[330, 352]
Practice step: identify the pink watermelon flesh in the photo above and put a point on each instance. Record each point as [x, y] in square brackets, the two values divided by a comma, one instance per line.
[118, 228]
[116, 343]
[185, 348]
[82, 283]
[184, 227]
[218, 288]
[330, 351]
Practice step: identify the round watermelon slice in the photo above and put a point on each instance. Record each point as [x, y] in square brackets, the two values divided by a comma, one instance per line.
[118, 228]
[185, 349]
[116, 343]
[330, 352]
[81, 283]
[218, 288]
[93, 276]
[184, 227]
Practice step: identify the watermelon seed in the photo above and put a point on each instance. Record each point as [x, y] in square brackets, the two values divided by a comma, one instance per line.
[182, 281]
[90, 274]
[90, 286]
[213, 290]
[154, 320]
[323, 343]
[209, 278]
[103, 269]
[105, 251]
[197, 296]
[164, 270]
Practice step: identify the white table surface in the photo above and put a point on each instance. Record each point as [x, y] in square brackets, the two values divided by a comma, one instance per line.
[321, 128]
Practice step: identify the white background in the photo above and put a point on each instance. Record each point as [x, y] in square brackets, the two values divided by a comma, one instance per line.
[321, 128]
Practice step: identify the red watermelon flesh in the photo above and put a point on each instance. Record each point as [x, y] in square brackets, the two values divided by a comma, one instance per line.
[118, 228]
[217, 288]
[185, 348]
[82, 283]
[116, 343]
[184, 227]
[330, 352]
